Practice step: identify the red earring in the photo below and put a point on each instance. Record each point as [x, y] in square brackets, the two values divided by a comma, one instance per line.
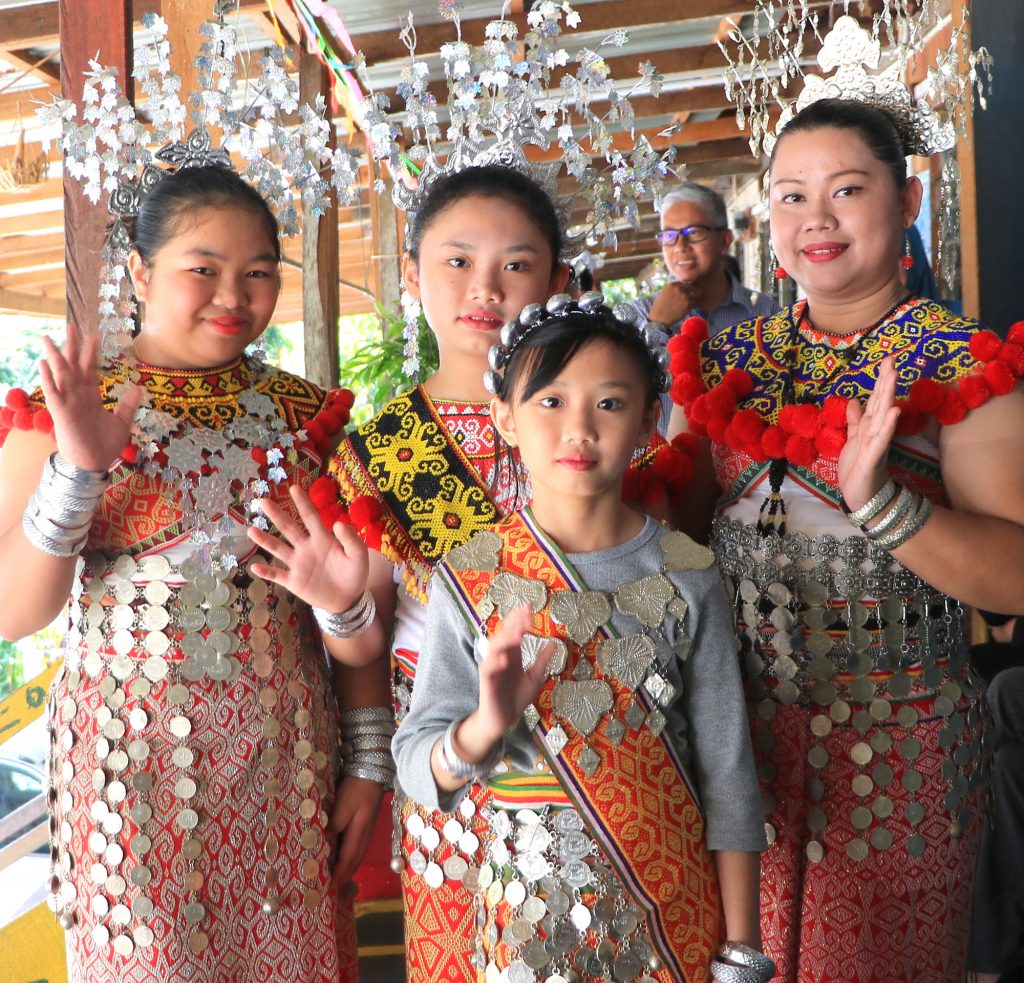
[906, 260]
[780, 273]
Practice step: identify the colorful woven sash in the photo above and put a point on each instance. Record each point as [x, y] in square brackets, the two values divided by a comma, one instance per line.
[638, 804]
[433, 497]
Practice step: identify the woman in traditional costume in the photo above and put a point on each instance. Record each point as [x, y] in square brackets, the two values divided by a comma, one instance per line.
[866, 445]
[194, 724]
[578, 661]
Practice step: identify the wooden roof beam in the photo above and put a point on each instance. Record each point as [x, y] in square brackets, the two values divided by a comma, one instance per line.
[606, 16]
[21, 303]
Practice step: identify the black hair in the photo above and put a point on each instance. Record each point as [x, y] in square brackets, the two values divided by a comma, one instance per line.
[550, 345]
[874, 126]
[187, 190]
[488, 181]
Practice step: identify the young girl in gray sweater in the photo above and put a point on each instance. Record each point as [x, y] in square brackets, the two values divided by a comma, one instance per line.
[579, 661]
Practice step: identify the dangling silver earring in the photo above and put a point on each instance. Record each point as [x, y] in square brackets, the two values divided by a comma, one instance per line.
[257, 351]
[411, 310]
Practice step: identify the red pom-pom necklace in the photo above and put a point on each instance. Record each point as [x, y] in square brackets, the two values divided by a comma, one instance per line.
[805, 432]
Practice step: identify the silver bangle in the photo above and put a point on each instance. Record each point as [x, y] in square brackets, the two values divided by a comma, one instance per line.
[911, 527]
[873, 505]
[371, 774]
[456, 766]
[737, 962]
[368, 715]
[348, 624]
[896, 514]
[62, 548]
[376, 759]
[59, 514]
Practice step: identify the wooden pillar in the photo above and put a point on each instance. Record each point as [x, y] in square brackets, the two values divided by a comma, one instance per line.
[385, 266]
[970, 283]
[184, 18]
[998, 148]
[320, 305]
[88, 27]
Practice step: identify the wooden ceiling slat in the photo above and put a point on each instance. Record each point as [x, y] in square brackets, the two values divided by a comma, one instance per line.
[382, 45]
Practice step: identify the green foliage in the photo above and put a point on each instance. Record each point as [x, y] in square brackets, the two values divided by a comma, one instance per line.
[619, 291]
[12, 672]
[371, 364]
[276, 344]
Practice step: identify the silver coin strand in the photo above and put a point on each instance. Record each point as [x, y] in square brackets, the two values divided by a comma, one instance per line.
[540, 862]
[786, 592]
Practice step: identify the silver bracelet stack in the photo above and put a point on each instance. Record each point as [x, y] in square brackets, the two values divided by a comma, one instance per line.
[906, 513]
[457, 767]
[348, 624]
[366, 752]
[59, 513]
[736, 962]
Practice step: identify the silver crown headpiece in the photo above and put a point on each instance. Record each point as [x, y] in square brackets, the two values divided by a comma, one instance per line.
[112, 151]
[851, 62]
[850, 57]
[534, 316]
[500, 99]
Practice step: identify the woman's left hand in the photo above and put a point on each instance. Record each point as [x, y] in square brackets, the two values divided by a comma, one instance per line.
[862, 461]
[353, 818]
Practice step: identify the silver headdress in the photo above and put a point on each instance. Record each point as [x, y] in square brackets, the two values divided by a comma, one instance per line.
[535, 316]
[111, 151]
[501, 99]
[867, 65]
[850, 58]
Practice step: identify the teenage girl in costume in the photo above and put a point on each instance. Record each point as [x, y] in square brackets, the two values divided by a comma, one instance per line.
[867, 719]
[420, 478]
[578, 661]
[194, 722]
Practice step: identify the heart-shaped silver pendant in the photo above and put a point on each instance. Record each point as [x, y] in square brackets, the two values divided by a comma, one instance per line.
[581, 613]
[509, 592]
[627, 659]
[646, 598]
[479, 553]
[682, 553]
[583, 704]
[531, 646]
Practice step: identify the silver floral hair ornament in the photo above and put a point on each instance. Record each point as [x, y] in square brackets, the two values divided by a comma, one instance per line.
[867, 65]
[110, 150]
[501, 100]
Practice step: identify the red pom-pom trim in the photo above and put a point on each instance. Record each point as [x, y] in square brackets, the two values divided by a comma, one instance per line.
[130, 453]
[23, 419]
[974, 391]
[695, 328]
[926, 396]
[16, 399]
[953, 410]
[42, 421]
[833, 412]
[1000, 378]
[985, 346]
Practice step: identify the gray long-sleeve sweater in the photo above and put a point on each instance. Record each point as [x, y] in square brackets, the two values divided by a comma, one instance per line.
[706, 720]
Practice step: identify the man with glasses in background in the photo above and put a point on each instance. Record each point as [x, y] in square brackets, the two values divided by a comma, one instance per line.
[695, 240]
